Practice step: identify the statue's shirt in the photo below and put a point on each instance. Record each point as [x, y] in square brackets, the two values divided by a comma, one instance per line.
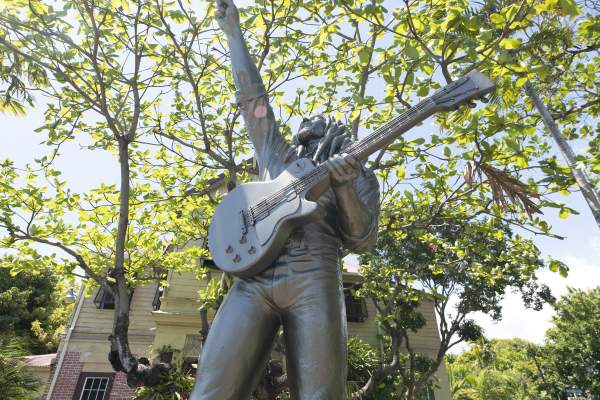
[320, 242]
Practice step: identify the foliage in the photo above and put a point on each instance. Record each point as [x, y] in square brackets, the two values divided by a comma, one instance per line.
[147, 83]
[516, 369]
[362, 359]
[572, 347]
[31, 307]
[458, 266]
[16, 383]
[496, 369]
[176, 385]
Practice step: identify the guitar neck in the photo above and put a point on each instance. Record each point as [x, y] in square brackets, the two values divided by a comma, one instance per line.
[375, 141]
[389, 132]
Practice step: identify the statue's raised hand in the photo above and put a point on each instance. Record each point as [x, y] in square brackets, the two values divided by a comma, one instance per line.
[228, 16]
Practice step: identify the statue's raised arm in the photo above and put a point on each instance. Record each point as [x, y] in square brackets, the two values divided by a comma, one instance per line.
[270, 147]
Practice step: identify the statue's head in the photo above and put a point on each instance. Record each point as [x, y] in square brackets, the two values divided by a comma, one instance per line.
[311, 129]
[320, 137]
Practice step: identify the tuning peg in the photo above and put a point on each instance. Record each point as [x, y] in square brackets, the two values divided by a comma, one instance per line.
[471, 104]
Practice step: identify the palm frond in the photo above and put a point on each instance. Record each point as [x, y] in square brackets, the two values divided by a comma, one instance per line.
[507, 191]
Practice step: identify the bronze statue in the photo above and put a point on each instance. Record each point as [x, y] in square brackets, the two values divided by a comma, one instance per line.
[302, 289]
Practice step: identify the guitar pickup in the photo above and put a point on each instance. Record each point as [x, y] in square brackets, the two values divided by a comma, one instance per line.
[244, 222]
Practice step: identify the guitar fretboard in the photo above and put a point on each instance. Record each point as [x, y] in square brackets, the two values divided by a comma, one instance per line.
[360, 150]
[468, 87]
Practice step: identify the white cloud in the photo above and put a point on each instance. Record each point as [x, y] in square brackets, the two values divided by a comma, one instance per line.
[524, 323]
[595, 244]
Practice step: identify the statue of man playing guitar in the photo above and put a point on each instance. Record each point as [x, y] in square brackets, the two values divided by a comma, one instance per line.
[302, 289]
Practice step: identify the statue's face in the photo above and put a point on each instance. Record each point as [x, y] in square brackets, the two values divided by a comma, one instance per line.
[310, 131]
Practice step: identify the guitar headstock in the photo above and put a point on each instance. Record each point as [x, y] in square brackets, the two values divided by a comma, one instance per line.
[472, 86]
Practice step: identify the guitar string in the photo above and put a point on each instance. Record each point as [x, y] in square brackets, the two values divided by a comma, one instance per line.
[262, 208]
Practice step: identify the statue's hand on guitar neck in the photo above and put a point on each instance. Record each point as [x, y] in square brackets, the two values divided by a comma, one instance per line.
[343, 170]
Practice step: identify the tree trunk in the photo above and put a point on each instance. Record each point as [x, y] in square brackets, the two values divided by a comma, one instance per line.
[590, 195]
[120, 355]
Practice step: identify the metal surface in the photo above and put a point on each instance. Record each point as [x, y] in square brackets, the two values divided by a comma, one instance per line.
[301, 289]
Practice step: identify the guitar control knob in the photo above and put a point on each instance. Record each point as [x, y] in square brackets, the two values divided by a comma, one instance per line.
[237, 258]
[252, 250]
[229, 249]
[243, 239]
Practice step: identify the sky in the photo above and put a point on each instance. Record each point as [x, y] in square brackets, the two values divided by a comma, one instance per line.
[580, 249]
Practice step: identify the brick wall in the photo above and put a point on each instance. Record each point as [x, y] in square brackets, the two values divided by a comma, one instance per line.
[120, 390]
[68, 376]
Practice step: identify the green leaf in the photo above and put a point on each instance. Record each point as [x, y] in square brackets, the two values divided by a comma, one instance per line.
[498, 20]
[363, 55]
[400, 172]
[411, 51]
[569, 7]
[510, 44]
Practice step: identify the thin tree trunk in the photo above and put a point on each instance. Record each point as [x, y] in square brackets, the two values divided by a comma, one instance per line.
[120, 355]
[362, 86]
[121, 313]
[590, 195]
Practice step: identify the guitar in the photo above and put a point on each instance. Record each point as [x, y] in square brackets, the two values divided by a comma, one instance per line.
[252, 223]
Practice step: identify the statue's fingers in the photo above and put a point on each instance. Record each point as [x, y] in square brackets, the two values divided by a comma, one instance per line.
[340, 172]
[348, 167]
[331, 125]
[334, 167]
[340, 130]
[335, 145]
[323, 146]
[221, 9]
[352, 161]
[347, 142]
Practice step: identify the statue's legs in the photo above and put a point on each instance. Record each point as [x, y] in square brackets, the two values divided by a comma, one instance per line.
[306, 295]
[238, 345]
[315, 335]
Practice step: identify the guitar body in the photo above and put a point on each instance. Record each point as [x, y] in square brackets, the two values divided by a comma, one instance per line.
[242, 248]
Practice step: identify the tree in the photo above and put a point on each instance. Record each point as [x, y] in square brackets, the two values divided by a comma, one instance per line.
[177, 383]
[16, 383]
[103, 75]
[31, 307]
[572, 348]
[471, 261]
[146, 82]
[568, 360]
[590, 195]
[497, 369]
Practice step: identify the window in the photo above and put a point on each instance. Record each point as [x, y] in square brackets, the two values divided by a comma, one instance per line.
[104, 300]
[356, 308]
[157, 297]
[93, 386]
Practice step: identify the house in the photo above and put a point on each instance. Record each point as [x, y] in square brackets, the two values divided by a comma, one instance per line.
[169, 316]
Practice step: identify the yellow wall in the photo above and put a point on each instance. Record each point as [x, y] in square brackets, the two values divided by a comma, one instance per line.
[90, 336]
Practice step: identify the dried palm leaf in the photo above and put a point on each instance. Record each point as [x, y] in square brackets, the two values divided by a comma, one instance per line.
[506, 190]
